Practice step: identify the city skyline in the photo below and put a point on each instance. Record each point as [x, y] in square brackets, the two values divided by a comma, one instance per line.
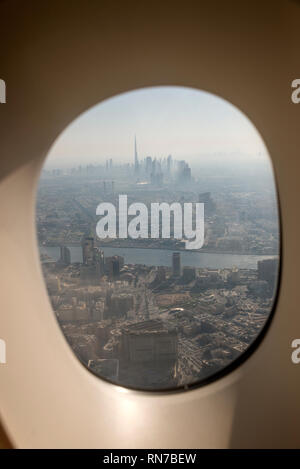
[189, 124]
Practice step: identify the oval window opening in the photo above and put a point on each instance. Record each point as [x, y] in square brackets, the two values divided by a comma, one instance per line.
[158, 230]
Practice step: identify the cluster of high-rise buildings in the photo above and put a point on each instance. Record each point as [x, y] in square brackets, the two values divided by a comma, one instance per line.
[160, 170]
[94, 264]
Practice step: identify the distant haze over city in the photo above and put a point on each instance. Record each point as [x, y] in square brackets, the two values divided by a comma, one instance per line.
[189, 124]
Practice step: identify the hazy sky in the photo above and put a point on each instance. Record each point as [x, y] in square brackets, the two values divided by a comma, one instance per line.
[184, 122]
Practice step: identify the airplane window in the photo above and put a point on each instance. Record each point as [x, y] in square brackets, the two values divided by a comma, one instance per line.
[158, 230]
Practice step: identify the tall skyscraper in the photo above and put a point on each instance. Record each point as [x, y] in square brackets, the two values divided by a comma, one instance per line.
[136, 160]
[99, 261]
[65, 255]
[87, 249]
[148, 165]
[176, 264]
[169, 164]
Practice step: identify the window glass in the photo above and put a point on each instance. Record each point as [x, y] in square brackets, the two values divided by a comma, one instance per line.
[158, 230]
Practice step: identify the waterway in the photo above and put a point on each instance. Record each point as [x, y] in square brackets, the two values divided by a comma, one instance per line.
[161, 257]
